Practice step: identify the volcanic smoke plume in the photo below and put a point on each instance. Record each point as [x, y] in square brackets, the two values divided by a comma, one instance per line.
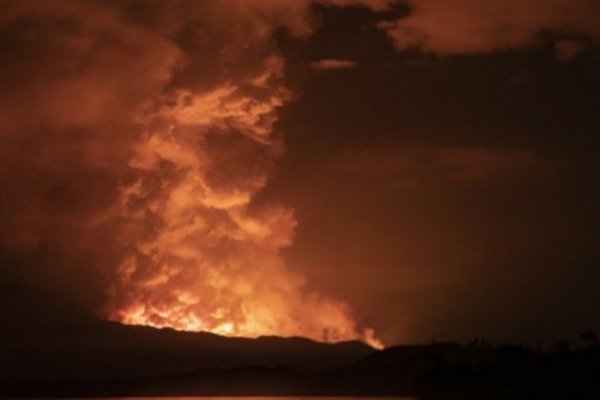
[199, 260]
[158, 119]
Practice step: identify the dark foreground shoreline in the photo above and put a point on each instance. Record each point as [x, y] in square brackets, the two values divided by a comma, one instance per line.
[428, 372]
[53, 349]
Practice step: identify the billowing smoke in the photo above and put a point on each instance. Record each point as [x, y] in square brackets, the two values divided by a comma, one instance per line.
[198, 258]
[135, 136]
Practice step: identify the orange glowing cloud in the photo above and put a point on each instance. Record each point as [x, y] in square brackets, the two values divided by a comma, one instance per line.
[199, 259]
[156, 127]
[331, 64]
[474, 26]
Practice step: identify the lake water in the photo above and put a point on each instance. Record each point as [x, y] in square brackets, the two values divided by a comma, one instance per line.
[252, 398]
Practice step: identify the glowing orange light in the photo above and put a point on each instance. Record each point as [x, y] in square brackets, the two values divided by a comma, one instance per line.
[199, 259]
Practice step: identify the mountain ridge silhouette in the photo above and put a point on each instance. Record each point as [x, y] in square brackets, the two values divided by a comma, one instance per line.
[45, 337]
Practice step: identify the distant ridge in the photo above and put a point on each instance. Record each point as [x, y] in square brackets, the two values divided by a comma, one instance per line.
[44, 337]
[51, 348]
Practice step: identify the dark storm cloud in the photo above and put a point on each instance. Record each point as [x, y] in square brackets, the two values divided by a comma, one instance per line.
[473, 26]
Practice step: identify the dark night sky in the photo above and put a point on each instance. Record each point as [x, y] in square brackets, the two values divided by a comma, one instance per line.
[497, 238]
[443, 171]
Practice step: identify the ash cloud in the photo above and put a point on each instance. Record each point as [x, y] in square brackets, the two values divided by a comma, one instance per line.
[134, 138]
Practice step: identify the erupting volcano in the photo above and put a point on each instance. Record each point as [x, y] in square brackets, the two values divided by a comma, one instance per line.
[249, 197]
[157, 126]
[200, 259]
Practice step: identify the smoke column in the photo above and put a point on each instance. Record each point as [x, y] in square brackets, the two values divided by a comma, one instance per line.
[159, 119]
[199, 260]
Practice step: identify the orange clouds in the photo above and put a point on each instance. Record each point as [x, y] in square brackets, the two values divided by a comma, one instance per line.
[199, 257]
[137, 135]
[72, 80]
[65, 127]
[475, 26]
[332, 64]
